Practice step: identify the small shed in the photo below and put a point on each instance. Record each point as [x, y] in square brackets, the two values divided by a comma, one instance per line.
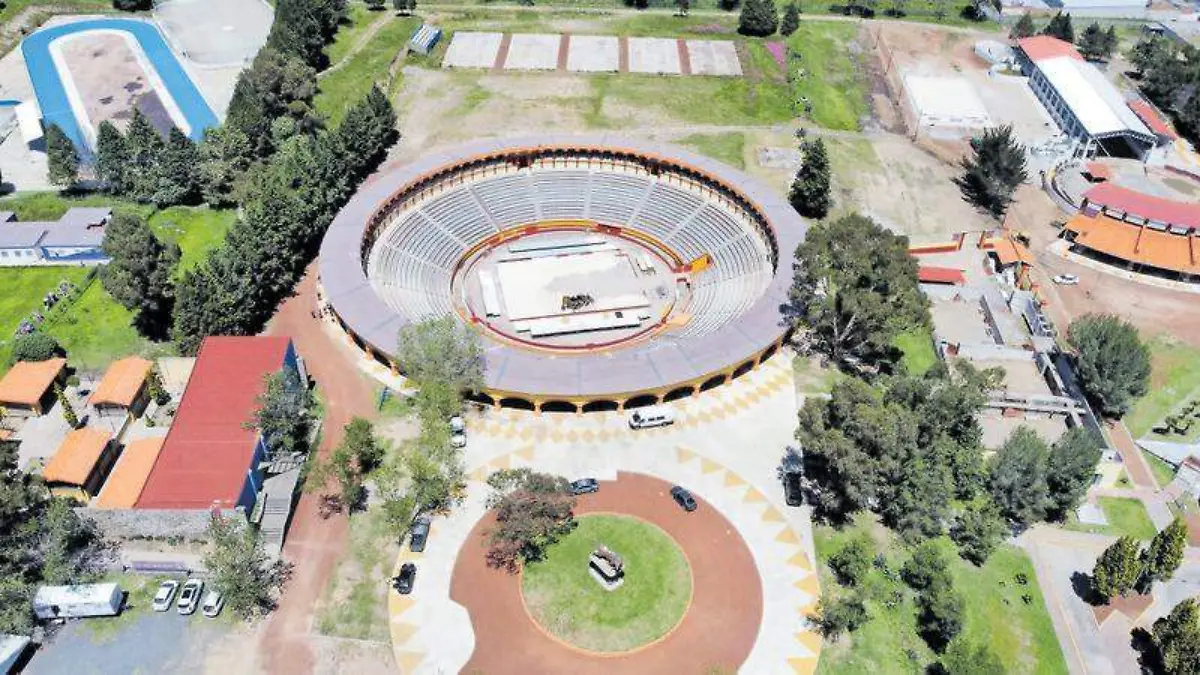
[78, 601]
[425, 39]
[78, 468]
[950, 276]
[27, 390]
[122, 391]
[124, 484]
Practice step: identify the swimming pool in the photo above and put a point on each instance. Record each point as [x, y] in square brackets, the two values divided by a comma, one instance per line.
[52, 95]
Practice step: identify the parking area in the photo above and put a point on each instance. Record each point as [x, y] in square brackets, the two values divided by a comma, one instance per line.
[215, 32]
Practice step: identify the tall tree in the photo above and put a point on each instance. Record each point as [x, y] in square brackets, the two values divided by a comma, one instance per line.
[1094, 43]
[281, 412]
[977, 531]
[1060, 27]
[993, 172]
[441, 351]
[177, 172]
[926, 567]
[533, 510]
[963, 658]
[1117, 569]
[224, 157]
[942, 607]
[275, 85]
[1177, 637]
[809, 193]
[112, 157]
[1070, 469]
[758, 18]
[1164, 555]
[851, 563]
[1018, 477]
[855, 288]
[61, 158]
[240, 567]
[1111, 361]
[140, 274]
[791, 19]
[1023, 28]
[836, 615]
[145, 153]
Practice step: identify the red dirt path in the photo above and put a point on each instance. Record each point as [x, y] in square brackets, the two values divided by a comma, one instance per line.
[718, 630]
[313, 543]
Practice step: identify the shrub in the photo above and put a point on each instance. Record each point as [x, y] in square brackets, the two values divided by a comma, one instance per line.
[36, 346]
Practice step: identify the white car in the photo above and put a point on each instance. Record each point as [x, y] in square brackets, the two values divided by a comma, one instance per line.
[457, 425]
[213, 603]
[189, 597]
[164, 596]
[1066, 279]
[458, 440]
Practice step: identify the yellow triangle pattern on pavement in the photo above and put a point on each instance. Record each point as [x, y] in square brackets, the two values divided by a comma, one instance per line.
[402, 633]
[399, 604]
[787, 536]
[708, 466]
[772, 515]
[525, 453]
[684, 454]
[804, 665]
[733, 480]
[810, 640]
[408, 661]
[809, 584]
[800, 560]
[753, 496]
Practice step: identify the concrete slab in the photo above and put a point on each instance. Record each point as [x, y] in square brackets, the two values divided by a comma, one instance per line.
[714, 57]
[659, 56]
[593, 54]
[472, 50]
[530, 51]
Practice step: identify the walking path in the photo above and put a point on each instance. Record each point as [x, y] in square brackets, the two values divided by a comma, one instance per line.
[314, 544]
[1131, 454]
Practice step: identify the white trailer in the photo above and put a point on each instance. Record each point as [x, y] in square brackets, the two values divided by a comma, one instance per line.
[75, 602]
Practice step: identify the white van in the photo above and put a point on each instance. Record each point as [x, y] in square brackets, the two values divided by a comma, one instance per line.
[651, 416]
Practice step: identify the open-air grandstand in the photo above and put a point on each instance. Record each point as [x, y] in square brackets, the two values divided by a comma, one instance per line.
[697, 256]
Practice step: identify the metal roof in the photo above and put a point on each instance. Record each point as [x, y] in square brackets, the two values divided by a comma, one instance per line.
[1094, 100]
[657, 363]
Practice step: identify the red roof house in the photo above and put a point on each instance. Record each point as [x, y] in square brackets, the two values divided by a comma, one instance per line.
[1152, 119]
[928, 274]
[210, 459]
[1044, 47]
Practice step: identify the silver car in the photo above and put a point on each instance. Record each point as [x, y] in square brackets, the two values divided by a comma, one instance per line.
[189, 597]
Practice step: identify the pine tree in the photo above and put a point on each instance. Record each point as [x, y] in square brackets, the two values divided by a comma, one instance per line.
[1060, 27]
[112, 157]
[68, 412]
[1165, 554]
[62, 160]
[225, 157]
[177, 172]
[1023, 28]
[1095, 44]
[145, 151]
[809, 194]
[1177, 637]
[791, 19]
[1018, 477]
[759, 18]
[1117, 569]
[140, 273]
[993, 172]
[1069, 472]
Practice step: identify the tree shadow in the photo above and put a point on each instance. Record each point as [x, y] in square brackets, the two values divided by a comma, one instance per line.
[1084, 589]
[1149, 658]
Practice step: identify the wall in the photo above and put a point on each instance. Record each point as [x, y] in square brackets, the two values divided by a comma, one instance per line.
[189, 524]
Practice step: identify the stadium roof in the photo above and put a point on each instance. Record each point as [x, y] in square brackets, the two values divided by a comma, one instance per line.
[27, 382]
[1132, 202]
[122, 382]
[1042, 47]
[1094, 100]
[128, 477]
[207, 454]
[77, 456]
[1135, 243]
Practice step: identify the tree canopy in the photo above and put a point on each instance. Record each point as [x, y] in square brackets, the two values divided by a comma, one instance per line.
[1164, 555]
[758, 18]
[1169, 72]
[1112, 363]
[35, 346]
[533, 510]
[1117, 569]
[140, 274]
[280, 413]
[61, 159]
[993, 172]
[1018, 477]
[809, 193]
[1097, 44]
[241, 568]
[1060, 27]
[1070, 469]
[1177, 638]
[1024, 27]
[441, 351]
[791, 19]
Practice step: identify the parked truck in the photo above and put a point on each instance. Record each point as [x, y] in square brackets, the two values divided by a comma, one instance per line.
[77, 602]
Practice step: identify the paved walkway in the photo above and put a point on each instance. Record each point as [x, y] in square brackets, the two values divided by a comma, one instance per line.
[1131, 454]
[314, 543]
[725, 447]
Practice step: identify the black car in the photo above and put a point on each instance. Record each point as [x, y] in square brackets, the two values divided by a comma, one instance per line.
[403, 583]
[418, 534]
[683, 498]
[584, 486]
[791, 489]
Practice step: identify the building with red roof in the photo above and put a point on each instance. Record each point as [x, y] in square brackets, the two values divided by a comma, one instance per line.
[1138, 207]
[210, 458]
[930, 274]
[1045, 47]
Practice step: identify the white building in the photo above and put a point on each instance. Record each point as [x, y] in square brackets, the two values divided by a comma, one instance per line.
[76, 239]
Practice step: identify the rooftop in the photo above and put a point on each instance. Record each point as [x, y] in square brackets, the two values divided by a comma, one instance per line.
[1135, 243]
[122, 382]
[128, 477]
[208, 451]
[81, 226]
[1101, 109]
[27, 381]
[77, 456]
[1043, 47]
[1146, 206]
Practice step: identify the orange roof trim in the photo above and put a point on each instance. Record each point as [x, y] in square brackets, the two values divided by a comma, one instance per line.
[1137, 244]
[27, 382]
[77, 456]
[1043, 47]
[929, 274]
[122, 382]
[1010, 251]
[128, 477]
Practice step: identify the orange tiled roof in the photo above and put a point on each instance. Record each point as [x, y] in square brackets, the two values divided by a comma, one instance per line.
[1177, 253]
[122, 382]
[1009, 251]
[124, 484]
[77, 456]
[28, 381]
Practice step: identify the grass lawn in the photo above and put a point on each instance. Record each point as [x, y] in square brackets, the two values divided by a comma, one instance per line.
[197, 230]
[1163, 473]
[350, 83]
[729, 148]
[1174, 378]
[358, 19]
[565, 599]
[833, 78]
[354, 604]
[812, 378]
[24, 289]
[917, 345]
[1126, 516]
[697, 100]
[1020, 634]
[95, 330]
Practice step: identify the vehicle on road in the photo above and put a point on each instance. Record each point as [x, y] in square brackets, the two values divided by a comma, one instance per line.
[403, 583]
[418, 534]
[165, 595]
[792, 494]
[189, 597]
[1066, 279]
[651, 416]
[458, 440]
[683, 498]
[584, 486]
[213, 603]
[457, 425]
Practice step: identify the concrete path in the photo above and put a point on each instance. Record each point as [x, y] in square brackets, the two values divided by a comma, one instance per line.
[1131, 454]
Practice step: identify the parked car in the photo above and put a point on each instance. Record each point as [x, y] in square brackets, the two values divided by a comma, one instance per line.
[213, 603]
[457, 425]
[458, 440]
[1066, 279]
[791, 489]
[683, 498]
[651, 416]
[584, 486]
[189, 597]
[403, 583]
[165, 595]
[418, 534]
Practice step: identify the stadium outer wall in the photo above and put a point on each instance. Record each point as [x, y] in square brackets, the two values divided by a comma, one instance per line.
[749, 340]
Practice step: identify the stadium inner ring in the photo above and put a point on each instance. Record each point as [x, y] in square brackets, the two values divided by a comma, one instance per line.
[603, 272]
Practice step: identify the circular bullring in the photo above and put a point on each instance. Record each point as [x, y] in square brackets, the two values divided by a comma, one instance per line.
[603, 272]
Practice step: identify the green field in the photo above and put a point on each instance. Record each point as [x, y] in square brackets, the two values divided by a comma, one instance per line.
[348, 84]
[1163, 473]
[1020, 634]
[1126, 516]
[358, 19]
[564, 598]
[1174, 379]
[917, 346]
[729, 148]
[354, 603]
[833, 79]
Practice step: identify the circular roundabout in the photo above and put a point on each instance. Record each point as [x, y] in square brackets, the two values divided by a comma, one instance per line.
[564, 597]
[696, 565]
[602, 272]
